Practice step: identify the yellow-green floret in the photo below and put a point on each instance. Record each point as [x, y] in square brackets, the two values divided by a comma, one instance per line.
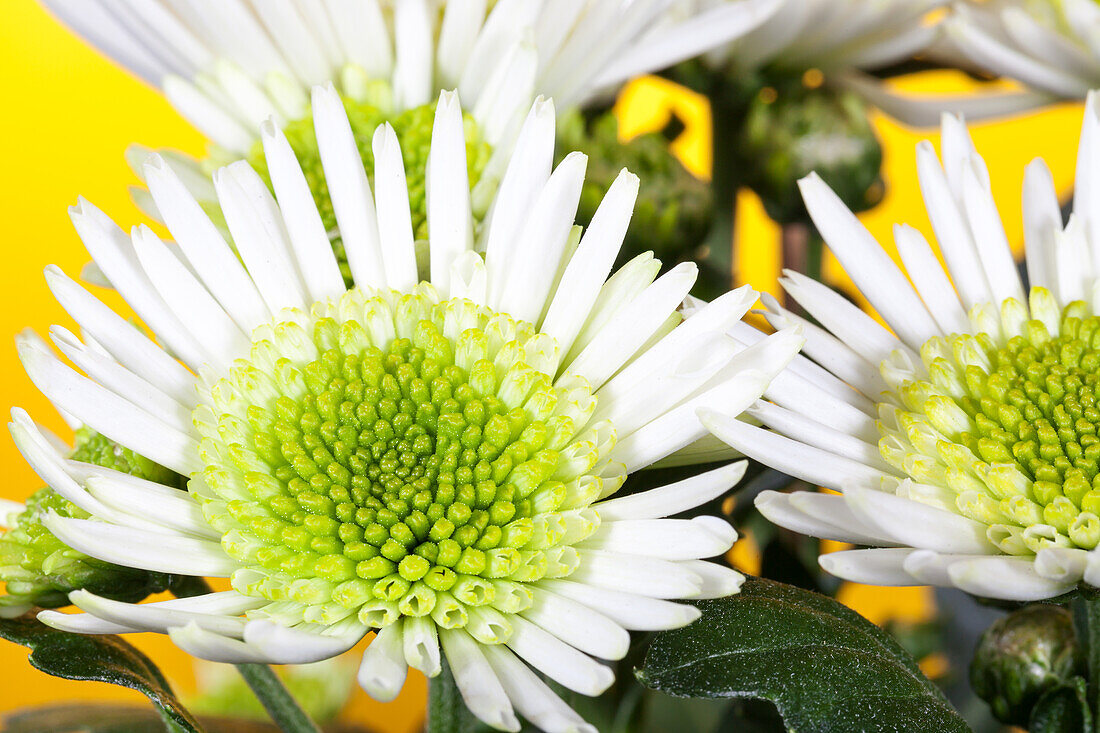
[1008, 423]
[396, 455]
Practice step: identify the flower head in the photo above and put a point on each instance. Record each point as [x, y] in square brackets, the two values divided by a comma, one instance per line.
[964, 442]
[228, 67]
[433, 457]
[1050, 45]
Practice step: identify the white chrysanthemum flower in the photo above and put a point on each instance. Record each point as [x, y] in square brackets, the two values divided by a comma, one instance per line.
[227, 66]
[431, 456]
[964, 443]
[846, 38]
[1051, 45]
[230, 65]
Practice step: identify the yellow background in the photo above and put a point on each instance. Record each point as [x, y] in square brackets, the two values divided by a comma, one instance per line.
[68, 115]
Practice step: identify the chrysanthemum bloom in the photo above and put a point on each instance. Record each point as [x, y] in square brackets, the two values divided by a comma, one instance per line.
[844, 39]
[229, 66]
[1050, 45]
[430, 456]
[964, 442]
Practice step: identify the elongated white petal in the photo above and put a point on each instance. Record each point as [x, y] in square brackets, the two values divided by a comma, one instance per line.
[109, 414]
[667, 539]
[588, 267]
[205, 248]
[835, 524]
[557, 660]
[383, 669]
[806, 462]
[874, 567]
[394, 220]
[257, 227]
[719, 581]
[531, 696]
[629, 610]
[868, 264]
[578, 625]
[142, 549]
[129, 346]
[674, 498]
[1007, 578]
[635, 574]
[154, 617]
[114, 255]
[212, 647]
[450, 222]
[348, 187]
[541, 243]
[478, 684]
[918, 525]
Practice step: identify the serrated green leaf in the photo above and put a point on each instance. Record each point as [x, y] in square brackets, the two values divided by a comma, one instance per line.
[98, 658]
[824, 666]
[1064, 709]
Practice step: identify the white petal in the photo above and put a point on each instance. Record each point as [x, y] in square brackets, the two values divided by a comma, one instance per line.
[1005, 578]
[557, 660]
[867, 263]
[261, 238]
[477, 682]
[450, 223]
[806, 462]
[412, 74]
[394, 220]
[348, 188]
[578, 625]
[918, 525]
[629, 610]
[114, 255]
[203, 244]
[540, 247]
[128, 345]
[138, 548]
[719, 581]
[383, 669]
[531, 696]
[214, 647]
[667, 539]
[874, 567]
[107, 413]
[673, 498]
[636, 574]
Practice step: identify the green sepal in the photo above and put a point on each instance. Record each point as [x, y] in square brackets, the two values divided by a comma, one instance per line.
[1063, 709]
[824, 666]
[105, 658]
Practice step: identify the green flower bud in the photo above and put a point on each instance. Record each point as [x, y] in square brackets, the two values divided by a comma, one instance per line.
[674, 208]
[39, 570]
[1023, 655]
[792, 130]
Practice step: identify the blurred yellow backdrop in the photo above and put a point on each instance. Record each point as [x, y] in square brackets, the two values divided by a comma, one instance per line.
[70, 114]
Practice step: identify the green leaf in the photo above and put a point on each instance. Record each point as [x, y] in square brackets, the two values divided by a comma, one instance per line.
[1064, 709]
[825, 667]
[98, 658]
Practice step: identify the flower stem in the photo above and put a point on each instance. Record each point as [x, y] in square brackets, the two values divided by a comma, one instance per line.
[1092, 623]
[276, 699]
[447, 713]
[280, 705]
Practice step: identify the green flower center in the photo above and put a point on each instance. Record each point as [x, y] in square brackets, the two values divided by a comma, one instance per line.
[1011, 430]
[414, 131]
[392, 455]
